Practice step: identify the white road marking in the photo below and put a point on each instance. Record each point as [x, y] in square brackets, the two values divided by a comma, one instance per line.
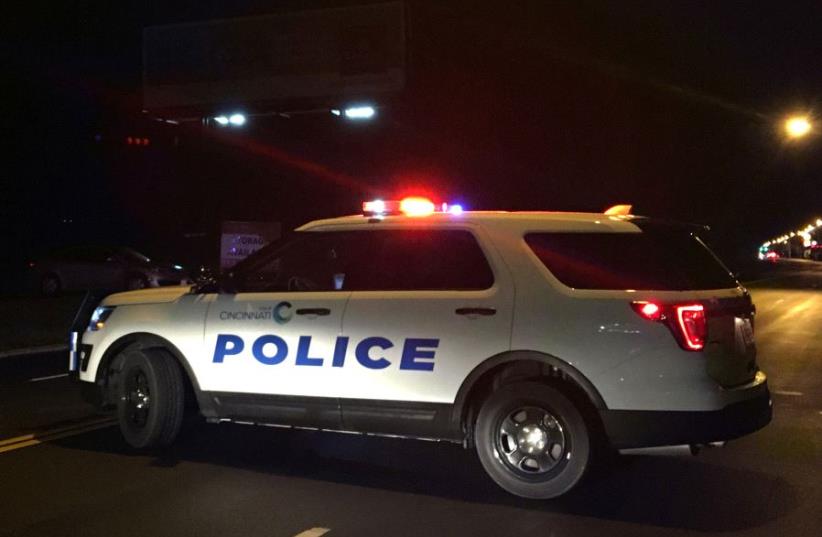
[789, 393]
[38, 379]
[313, 532]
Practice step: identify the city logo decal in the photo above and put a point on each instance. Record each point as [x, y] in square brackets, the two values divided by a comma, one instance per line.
[281, 312]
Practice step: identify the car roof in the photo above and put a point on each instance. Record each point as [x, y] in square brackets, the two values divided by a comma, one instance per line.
[526, 219]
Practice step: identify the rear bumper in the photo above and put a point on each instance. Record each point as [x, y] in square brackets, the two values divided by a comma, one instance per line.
[644, 428]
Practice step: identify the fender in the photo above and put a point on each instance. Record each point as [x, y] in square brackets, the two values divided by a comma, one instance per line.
[461, 401]
[146, 340]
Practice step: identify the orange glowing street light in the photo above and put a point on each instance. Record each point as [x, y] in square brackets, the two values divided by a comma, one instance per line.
[797, 126]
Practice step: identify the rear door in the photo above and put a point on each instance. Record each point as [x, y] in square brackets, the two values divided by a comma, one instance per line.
[431, 305]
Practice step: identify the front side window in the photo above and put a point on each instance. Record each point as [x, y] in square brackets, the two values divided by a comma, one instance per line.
[368, 260]
[307, 262]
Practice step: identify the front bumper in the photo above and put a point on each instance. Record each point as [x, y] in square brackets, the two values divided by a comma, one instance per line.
[649, 428]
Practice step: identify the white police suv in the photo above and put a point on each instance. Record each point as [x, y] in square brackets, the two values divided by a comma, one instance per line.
[531, 336]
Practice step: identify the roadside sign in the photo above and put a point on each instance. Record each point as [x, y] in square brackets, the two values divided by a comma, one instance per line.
[261, 62]
[238, 240]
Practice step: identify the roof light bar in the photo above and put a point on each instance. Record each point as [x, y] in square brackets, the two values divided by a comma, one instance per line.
[413, 206]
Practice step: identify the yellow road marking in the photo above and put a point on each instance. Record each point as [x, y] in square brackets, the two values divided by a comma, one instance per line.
[18, 442]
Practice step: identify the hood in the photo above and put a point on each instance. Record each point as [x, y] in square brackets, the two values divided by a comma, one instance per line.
[158, 295]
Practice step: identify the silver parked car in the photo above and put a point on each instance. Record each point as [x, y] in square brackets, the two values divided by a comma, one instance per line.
[111, 268]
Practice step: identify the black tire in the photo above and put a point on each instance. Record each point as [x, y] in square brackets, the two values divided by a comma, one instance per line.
[150, 398]
[560, 444]
[50, 285]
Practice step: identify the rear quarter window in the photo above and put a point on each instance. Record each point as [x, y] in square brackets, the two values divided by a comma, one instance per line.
[648, 260]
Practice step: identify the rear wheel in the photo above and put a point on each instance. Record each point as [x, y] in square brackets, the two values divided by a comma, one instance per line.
[150, 402]
[532, 440]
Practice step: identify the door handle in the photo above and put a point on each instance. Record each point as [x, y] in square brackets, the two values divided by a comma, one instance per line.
[475, 311]
[313, 311]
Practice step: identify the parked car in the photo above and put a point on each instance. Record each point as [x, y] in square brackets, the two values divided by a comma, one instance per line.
[109, 268]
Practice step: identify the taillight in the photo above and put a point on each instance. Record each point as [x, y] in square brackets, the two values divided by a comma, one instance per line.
[691, 320]
[650, 310]
[686, 321]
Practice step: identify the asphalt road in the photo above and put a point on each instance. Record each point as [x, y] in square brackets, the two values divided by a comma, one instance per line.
[76, 477]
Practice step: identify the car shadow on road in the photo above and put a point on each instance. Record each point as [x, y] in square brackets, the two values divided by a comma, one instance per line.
[671, 492]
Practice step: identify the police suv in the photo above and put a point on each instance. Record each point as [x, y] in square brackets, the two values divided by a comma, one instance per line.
[532, 336]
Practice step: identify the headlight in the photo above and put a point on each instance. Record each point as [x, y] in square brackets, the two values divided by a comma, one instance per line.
[99, 317]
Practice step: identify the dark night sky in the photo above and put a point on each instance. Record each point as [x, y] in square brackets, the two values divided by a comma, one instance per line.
[672, 106]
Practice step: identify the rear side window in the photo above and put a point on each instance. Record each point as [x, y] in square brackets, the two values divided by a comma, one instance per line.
[650, 260]
[406, 260]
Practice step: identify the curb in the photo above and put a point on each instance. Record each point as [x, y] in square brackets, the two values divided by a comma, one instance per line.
[33, 350]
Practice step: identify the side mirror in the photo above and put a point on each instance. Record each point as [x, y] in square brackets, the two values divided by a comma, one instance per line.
[227, 283]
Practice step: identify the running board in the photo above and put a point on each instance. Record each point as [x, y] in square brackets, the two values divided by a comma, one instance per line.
[326, 430]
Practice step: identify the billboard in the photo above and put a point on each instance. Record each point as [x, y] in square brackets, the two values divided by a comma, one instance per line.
[238, 240]
[261, 61]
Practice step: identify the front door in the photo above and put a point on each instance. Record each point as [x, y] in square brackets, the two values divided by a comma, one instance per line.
[269, 345]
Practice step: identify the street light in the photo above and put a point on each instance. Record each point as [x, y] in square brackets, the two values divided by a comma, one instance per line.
[356, 113]
[797, 126]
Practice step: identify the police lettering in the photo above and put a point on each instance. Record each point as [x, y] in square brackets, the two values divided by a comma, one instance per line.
[269, 349]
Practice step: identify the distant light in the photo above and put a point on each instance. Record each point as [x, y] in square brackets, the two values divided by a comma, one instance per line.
[177, 267]
[335, 111]
[238, 120]
[455, 209]
[819, 221]
[797, 127]
[360, 112]
[222, 120]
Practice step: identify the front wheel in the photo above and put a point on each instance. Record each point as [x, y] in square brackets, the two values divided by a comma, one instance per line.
[532, 440]
[150, 402]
